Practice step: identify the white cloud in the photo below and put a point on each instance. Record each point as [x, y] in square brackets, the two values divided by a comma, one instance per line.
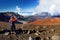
[18, 10]
[48, 6]
[21, 12]
[52, 9]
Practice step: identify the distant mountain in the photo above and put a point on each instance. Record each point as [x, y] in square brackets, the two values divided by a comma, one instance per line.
[5, 16]
[42, 15]
[56, 16]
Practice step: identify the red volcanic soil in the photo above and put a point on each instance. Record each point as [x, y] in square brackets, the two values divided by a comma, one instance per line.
[49, 21]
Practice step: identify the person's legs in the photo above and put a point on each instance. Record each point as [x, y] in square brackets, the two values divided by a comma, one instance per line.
[14, 28]
[11, 29]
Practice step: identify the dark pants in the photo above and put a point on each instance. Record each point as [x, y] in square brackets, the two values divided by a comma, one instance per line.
[13, 27]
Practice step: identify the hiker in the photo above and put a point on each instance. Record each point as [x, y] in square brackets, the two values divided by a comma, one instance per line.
[12, 21]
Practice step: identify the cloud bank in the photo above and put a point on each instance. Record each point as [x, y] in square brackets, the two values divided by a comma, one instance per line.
[50, 6]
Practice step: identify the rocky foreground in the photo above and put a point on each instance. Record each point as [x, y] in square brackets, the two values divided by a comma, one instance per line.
[30, 32]
[45, 33]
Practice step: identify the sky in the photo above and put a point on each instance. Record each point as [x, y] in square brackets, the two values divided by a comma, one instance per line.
[18, 5]
[30, 7]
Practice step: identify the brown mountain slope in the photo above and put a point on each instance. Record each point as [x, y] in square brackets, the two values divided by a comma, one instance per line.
[50, 21]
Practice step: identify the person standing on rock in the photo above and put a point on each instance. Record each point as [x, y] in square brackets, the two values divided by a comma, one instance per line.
[12, 21]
